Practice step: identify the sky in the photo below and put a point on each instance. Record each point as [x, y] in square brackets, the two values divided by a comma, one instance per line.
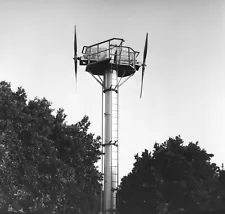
[184, 85]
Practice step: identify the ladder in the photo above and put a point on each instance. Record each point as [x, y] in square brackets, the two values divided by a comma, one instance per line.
[113, 143]
[115, 158]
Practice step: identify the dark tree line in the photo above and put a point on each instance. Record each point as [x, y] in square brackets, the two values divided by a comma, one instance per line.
[46, 166]
[174, 178]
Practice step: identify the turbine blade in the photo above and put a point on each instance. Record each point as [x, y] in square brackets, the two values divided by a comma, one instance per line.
[75, 42]
[75, 54]
[75, 66]
[145, 49]
[144, 61]
[142, 80]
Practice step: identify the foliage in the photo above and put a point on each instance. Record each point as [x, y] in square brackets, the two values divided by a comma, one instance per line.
[46, 165]
[174, 178]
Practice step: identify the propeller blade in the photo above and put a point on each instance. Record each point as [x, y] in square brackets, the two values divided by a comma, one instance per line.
[75, 66]
[145, 49]
[142, 79]
[75, 53]
[144, 60]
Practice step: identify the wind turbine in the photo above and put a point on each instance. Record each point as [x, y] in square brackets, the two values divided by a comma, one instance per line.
[111, 64]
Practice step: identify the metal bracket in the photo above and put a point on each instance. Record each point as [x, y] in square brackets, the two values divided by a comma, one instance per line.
[125, 80]
[107, 144]
[116, 88]
[110, 89]
[110, 143]
[106, 114]
[101, 83]
[115, 143]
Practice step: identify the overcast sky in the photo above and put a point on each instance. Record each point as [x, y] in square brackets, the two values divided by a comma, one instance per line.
[184, 85]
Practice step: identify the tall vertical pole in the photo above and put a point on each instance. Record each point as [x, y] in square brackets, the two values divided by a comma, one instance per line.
[102, 158]
[108, 143]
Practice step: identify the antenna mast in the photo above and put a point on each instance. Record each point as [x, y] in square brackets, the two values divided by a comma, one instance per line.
[109, 62]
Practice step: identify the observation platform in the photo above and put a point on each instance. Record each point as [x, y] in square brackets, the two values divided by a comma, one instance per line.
[110, 54]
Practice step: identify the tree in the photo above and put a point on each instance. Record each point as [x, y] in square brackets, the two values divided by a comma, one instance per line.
[174, 178]
[46, 165]
[137, 193]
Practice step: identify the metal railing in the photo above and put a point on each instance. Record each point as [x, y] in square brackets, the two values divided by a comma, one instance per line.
[106, 50]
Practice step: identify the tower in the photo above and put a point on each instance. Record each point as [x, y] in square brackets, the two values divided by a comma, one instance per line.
[111, 64]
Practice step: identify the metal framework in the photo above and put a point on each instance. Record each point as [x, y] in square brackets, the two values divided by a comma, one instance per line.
[111, 64]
